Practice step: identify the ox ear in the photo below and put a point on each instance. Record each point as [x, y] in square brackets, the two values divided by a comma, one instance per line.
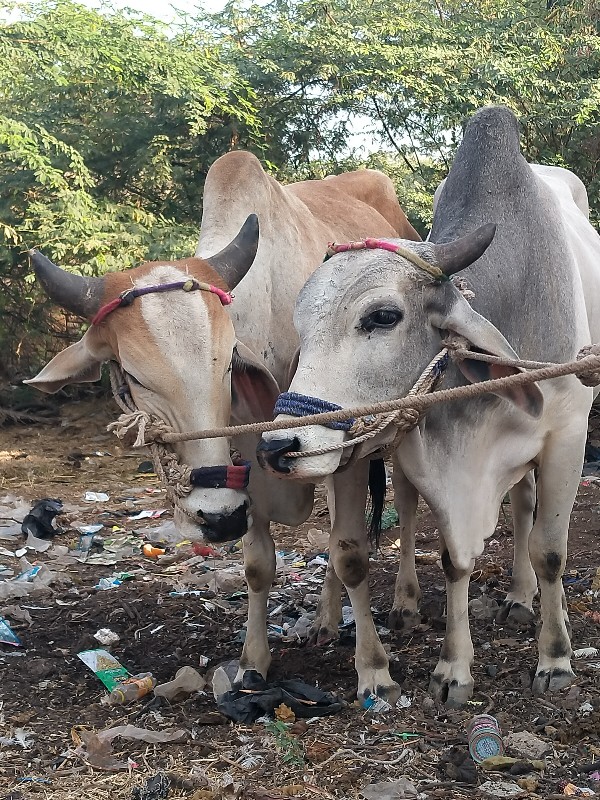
[465, 321]
[79, 363]
[253, 389]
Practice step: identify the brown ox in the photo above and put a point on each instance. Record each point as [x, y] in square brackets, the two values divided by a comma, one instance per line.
[195, 365]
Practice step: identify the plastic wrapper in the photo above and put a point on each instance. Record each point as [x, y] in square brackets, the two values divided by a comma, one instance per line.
[96, 750]
[30, 579]
[256, 697]
[390, 790]
[40, 523]
[7, 635]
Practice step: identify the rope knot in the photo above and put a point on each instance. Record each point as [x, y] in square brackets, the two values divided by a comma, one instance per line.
[127, 297]
[457, 346]
[145, 427]
[365, 424]
[591, 377]
[407, 419]
[177, 476]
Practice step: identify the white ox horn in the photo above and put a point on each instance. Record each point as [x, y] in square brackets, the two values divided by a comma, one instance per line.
[79, 294]
[457, 255]
[234, 261]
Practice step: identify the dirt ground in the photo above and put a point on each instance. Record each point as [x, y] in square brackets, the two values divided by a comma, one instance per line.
[47, 696]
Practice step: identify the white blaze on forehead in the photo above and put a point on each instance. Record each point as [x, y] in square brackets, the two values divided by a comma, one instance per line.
[178, 321]
[192, 344]
[342, 280]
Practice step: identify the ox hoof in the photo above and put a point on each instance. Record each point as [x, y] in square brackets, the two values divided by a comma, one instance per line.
[321, 636]
[449, 691]
[390, 692]
[403, 619]
[552, 680]
[514, 612]
[239, 675]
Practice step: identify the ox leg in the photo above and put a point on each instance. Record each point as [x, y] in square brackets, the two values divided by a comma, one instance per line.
[329, 609]
[559, 474]
[404, 614]
[259, 565]
[451, 681]
[518, 606]
[349, 552]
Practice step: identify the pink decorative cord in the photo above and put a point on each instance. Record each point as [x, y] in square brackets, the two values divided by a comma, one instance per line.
[225, 297]
[382, 244]
[127, 297]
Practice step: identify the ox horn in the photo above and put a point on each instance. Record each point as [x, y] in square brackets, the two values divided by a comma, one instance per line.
[457, 255]
[81, 295]
[234, 261]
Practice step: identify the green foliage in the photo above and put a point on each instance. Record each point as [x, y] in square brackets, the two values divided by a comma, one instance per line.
[108, 124]
[414, 70]
[289, 747]
[109, 120]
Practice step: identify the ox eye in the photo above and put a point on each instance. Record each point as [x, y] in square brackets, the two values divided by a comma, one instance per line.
[385, 318]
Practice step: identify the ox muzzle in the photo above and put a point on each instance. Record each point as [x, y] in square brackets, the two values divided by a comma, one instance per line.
[274, 448]
[219, 528]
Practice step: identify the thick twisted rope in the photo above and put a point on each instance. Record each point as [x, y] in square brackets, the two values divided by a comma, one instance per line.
[589, 378]
[173, 475]
[404, 419]
[585, 365]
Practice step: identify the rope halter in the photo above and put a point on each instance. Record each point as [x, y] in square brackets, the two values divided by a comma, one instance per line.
[364, 428]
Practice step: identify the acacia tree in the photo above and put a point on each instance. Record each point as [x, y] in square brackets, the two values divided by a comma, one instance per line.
[109, 121]
[108, 124]
[416, 69]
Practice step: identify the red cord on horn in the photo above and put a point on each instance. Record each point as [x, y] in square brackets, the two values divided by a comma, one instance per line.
[106, 310]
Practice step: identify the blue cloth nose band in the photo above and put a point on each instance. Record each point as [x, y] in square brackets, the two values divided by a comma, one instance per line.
[301, 405]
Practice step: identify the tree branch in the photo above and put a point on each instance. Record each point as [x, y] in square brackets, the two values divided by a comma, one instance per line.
[390, 137]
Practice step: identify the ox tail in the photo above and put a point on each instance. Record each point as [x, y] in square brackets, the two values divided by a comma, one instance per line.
[377, 480]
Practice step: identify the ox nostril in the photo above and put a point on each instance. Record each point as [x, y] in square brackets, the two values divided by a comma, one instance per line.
[225, 527]
[273, 452]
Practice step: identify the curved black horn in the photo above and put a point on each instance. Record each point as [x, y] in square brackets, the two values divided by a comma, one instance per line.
[457, 255]
[81, 295]
[234, 261]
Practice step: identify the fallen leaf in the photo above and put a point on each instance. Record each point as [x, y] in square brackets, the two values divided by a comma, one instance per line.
[285, 713]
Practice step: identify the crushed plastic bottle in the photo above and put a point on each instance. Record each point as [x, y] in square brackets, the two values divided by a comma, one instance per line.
[132, 689]
[107, 583]
[301, 628]
[376, 705]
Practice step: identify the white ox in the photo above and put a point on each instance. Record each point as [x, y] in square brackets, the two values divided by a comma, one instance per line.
[191, 363]
[369, 321]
